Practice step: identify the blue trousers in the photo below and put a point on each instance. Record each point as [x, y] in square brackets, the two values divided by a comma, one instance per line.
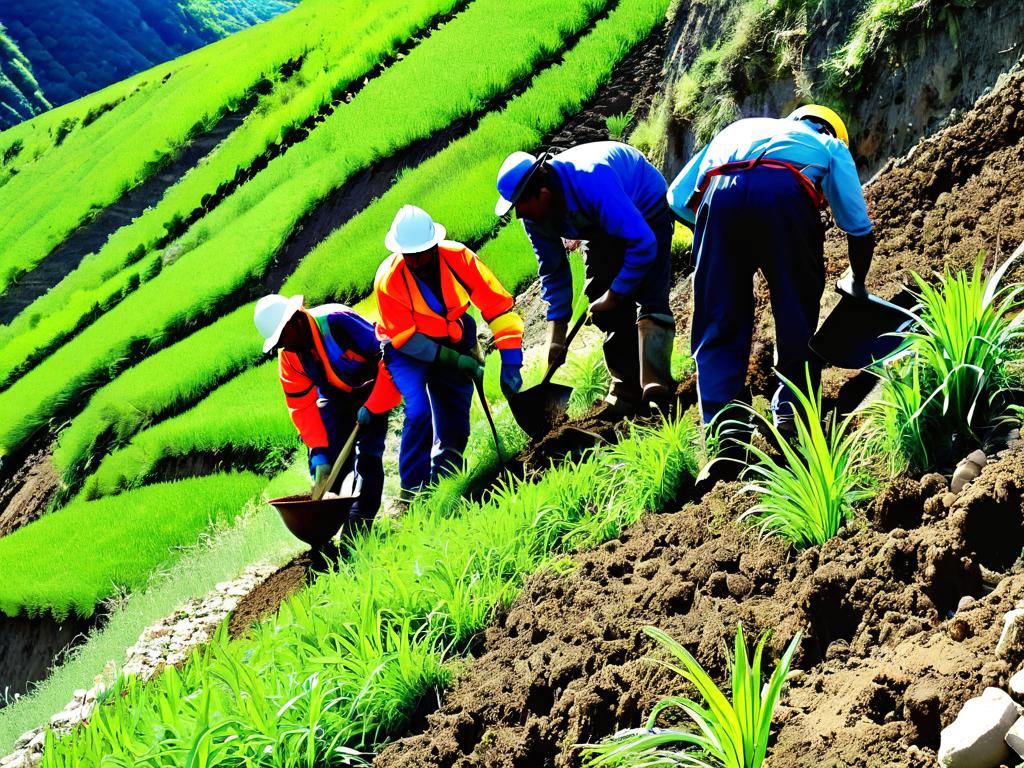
[436, 428]
[755, 220]
[339, 417]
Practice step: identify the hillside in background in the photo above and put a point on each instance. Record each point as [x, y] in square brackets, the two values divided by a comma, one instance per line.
[53, 54]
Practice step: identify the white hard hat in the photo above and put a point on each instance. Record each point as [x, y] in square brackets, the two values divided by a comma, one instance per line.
[271, 316]
[413, 231]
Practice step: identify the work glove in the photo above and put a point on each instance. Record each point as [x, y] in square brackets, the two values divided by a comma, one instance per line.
[467, 365]
[320, 466]
[364, 417]
[861, 250]
[511, 367]
[557, 332]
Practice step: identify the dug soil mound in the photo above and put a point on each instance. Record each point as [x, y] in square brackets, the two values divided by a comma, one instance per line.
[885, 661]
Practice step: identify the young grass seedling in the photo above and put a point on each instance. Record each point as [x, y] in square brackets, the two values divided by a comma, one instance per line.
[730, 734]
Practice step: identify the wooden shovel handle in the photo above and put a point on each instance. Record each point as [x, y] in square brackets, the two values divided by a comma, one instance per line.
[318, 489]
[568, 340]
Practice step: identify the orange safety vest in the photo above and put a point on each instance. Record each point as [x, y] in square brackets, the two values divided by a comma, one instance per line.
[464, 278]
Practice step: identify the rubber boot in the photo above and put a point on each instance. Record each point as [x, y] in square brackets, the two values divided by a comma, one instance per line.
[656, 337]
[620, 356]
[734, 433]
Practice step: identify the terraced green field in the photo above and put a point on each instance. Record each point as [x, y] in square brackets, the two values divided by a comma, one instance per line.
[145, 354]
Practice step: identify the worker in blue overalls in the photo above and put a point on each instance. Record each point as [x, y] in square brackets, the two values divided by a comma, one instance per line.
[753, 197]
[607, 195]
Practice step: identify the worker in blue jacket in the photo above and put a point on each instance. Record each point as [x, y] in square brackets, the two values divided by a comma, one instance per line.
[607, 195]
[753, 197]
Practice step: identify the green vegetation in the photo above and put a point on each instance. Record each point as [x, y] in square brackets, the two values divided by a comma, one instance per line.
[112, 544]
[257, 536]
[808, 493]
[20, 94]
[178, 376]
[618, 125]
[966, 353]
[257, 220]
[84, 45]
[878, 23]
[115, 270]
[224, 423]
[730, 734]
[344, 662]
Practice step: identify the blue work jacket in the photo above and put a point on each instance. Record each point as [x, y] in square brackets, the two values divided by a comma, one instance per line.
[824, 159]
[609, 190]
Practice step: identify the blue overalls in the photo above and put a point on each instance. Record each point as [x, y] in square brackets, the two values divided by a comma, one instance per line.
[762, 218]
[437, 402]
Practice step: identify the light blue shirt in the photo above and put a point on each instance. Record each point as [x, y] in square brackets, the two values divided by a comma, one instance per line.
[822, 158]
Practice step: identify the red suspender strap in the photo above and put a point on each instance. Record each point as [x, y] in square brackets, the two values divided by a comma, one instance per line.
[739, 166]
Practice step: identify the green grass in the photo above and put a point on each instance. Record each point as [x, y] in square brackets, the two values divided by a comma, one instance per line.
[808, 493]
[222, 554]
[251, 226]
[124, 146]
[331, 64]
[729, 733]
[225, 423]
[878, 23]
[965, 352]
[344, 663]
[112, 544]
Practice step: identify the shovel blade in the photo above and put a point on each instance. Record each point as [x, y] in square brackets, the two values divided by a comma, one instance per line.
[539, 408]
[854, 335]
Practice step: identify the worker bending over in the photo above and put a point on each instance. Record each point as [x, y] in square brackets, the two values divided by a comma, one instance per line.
[331, 371]
[607, 195]
[754, 197]
[423, 291]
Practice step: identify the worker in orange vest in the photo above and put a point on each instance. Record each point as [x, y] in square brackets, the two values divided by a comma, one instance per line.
[332, 373]
[424, 289]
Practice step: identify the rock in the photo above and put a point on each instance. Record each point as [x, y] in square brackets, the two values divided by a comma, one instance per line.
[739, 586]
[978, 457]
[1016, 684]
[36, 745]
[1015, 737]
[960, 630]
[1013, 632]
[964, 474]
[976, 738]
[934, 483]
[948, 499]
[25, 738]
[964, 601]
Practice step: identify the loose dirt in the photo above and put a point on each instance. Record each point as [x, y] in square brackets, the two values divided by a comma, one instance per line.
[881, 665]
[286, 581]
[26, 490]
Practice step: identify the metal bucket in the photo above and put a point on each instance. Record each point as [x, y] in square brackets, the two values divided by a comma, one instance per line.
[314, 522]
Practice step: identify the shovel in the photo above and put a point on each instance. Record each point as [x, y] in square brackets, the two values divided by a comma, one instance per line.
[312, 518]
[539, 408]
[861, 331]
[479, 383]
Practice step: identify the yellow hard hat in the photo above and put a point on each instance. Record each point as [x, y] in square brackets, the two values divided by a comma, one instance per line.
[827, 116]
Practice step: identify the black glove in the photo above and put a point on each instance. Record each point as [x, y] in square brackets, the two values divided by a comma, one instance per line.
[861, 250]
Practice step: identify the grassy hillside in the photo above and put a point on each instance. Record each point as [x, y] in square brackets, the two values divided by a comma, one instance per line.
[145, 354]
[78, 47]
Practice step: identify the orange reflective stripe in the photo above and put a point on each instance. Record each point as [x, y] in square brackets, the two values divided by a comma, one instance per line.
[318, 342]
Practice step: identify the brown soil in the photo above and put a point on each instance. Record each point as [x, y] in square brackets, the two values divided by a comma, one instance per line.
[278, 587]
[26, 491]
[882, 668]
